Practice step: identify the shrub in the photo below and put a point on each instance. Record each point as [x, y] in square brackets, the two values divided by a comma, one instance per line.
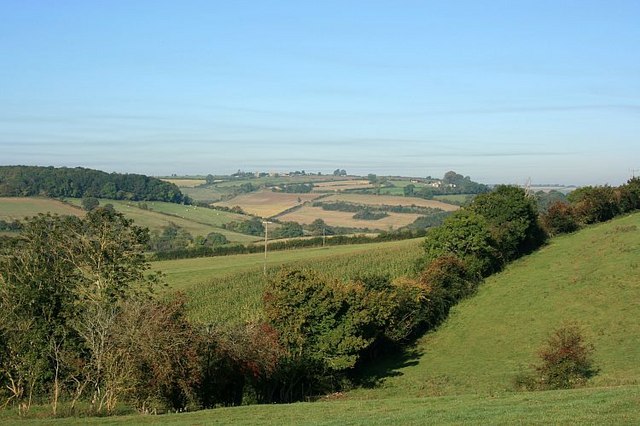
[560, 218]
[566, 361]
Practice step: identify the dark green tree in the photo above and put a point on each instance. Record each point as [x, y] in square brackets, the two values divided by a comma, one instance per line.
[513, 219]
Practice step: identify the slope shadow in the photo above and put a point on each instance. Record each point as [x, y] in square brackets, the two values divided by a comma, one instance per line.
[373, 373]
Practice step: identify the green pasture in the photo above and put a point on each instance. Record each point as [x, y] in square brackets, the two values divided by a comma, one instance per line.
[591, 277]
[12, 208]
[616, 405]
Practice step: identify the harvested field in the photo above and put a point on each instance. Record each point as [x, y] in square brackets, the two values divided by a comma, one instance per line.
[307, 214]
[341, 185]
[266, 203]
[12, 208]
[390, 200]
[186, 183]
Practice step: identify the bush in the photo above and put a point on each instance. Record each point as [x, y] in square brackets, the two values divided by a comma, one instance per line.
[560, 218]
[566, 362]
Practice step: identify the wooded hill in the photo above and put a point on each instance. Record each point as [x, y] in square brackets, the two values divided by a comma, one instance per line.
[25, 181]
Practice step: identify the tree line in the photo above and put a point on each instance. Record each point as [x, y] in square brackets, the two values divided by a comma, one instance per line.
[79, 182]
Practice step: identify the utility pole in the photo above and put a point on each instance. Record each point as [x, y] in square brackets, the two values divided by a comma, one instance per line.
[266, 237]
[324, 237]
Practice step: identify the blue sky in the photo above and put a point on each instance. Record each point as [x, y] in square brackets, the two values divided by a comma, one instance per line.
[499, 90]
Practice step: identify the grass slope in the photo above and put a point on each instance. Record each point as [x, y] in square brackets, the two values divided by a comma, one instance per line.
[12, 208]
[582, 406]
[591, 277]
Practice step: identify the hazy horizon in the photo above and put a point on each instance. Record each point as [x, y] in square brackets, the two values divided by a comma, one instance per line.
[499, 91]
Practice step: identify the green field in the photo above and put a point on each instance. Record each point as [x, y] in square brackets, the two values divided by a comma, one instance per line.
[12, 208]
[618, 406]
[229, 288]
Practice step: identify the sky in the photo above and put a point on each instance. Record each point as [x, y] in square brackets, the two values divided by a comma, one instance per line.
[502, 91]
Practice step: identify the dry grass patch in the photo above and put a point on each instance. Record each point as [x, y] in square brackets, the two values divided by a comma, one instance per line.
[390, 200]
[266, 203]
[308, 214]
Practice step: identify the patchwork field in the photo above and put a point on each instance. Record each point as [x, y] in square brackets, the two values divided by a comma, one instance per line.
[13, 208]
[266, 203]
[307, 214]
[390, 200]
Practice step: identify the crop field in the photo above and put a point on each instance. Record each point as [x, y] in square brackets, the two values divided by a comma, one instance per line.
[590, 277]
[229, 289]
[307, 214]
[341, 185]
[198, 221]
[389, 200]
[185, 183]
[13, 208]
[266, 203]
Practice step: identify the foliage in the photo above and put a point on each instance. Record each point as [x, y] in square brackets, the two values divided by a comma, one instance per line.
[297, 188]
[513, 219]
[566, 361]
[215, 239]
[289, 230]
[252, 226]
[430, 221]
[25, 181]
[172, 238]
[467, 236]
[325, 325]
[90, 203]
[367, 214]
[545, 199]
[595, 203]
[560, 218]
[61, 283]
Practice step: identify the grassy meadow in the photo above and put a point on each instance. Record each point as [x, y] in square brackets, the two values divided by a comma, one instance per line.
[12, 208]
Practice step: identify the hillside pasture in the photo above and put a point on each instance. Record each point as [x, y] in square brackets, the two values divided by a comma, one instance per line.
[390, 200]
[307, 214]
[266, 203]
[590, 277]
[12, 208]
